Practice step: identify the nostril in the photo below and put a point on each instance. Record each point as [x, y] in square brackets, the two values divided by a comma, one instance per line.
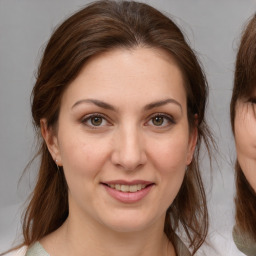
[128, 152]
[128, 162]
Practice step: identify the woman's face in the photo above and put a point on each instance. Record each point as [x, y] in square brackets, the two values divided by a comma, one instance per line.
[245, 138]
[123, 139]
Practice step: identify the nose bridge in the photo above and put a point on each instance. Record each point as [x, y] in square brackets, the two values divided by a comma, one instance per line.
[130, 152]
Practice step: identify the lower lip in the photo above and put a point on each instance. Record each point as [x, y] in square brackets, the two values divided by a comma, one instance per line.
[128, 197]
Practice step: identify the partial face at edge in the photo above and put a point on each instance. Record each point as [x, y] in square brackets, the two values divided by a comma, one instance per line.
[245, 137]
[123, 121]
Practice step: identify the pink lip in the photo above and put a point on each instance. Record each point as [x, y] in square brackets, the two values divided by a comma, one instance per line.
[128, 197]
[125, 182]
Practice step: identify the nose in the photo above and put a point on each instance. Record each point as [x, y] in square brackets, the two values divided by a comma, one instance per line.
[129, 150]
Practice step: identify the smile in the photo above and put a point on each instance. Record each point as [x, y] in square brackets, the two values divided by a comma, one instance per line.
[127, 188]
[128, 191]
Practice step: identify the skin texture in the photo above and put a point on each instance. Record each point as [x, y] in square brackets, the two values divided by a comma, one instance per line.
[127, 144]
[245, 138]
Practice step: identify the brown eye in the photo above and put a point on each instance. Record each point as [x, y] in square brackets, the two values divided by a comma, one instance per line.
[96, 121]
[158, 120]
[161, 120]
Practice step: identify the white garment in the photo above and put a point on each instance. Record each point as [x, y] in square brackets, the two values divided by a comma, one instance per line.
[19, 252]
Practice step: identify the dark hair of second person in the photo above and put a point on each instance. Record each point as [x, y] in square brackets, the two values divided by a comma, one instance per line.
[243, 122]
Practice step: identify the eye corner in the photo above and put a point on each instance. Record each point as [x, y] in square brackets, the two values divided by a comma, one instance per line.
[163, 120]
[95, 121]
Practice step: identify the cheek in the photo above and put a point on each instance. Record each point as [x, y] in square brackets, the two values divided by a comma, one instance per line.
[170, 163]
[170, 154]
[245, 135]
[83, 155]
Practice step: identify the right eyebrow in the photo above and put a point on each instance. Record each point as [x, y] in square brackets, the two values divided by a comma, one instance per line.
[162, 103]
[98, 103]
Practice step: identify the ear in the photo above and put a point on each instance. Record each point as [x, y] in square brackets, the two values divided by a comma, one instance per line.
[192, 141]
[51, 141]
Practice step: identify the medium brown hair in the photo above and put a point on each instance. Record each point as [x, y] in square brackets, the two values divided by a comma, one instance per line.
[244, 84]
[100, 27]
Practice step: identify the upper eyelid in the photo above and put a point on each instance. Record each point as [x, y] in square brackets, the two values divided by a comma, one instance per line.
[162, 114]
[109, 120]
[88, 116]
[165, 115]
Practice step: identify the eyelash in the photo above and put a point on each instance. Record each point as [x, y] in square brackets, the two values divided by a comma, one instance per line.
[90, 117]
[166, 117]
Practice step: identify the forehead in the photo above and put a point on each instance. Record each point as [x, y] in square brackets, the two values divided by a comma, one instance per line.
[145, 73]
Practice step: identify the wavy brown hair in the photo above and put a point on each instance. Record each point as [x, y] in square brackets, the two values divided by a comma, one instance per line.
[244, 84]
[100, 27]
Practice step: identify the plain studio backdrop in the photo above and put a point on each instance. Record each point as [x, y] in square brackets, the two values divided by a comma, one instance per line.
[213, 29]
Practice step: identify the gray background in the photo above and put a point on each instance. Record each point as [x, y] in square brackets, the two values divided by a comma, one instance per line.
[213, 29]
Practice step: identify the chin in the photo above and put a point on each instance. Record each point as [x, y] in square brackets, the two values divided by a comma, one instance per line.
[126, 228]
[129, 223]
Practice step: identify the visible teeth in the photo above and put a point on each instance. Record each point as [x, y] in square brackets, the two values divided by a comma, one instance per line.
[127, 188]
[133, 188]
[124, 188]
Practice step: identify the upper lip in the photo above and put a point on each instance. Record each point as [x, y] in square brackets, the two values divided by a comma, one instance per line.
[125, 182]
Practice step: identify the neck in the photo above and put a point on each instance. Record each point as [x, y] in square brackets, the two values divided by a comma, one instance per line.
[92, 238]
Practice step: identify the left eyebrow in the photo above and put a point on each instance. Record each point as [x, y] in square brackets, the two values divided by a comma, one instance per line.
[161, 103]
[98, 103]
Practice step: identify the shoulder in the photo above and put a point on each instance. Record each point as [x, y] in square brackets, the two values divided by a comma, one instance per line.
[36, 249]
[244, 242]
[19, 252]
